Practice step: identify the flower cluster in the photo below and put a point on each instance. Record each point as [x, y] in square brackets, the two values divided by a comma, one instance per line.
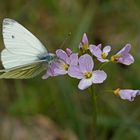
[80, 65]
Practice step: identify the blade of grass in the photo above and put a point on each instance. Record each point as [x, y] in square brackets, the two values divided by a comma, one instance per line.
[71, 109]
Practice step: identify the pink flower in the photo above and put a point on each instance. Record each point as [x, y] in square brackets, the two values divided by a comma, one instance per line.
[127, 94]
[123, 56]
[61, 66]
[84, 71]
[99, 53]
[84, 44]
[51, 70]
[68, 51]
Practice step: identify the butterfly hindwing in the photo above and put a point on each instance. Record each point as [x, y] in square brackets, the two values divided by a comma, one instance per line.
[24, 72]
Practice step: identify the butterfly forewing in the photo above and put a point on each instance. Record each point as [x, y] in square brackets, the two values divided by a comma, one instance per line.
[10, 60]
[22, 47]
[17, 38]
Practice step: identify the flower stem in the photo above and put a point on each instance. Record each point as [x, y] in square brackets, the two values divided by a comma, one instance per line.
[103, 65]
[94, 114]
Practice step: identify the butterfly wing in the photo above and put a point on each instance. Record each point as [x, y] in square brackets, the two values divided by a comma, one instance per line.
[22, 47]
[24, 72]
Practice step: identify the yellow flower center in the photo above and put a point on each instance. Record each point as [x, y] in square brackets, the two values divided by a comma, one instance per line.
[115, 57]
[104, 55]
[85, 47]
[117, 92]
[87, 75]
[65, 66]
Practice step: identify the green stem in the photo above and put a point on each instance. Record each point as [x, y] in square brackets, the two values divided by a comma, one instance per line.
[109, 91]
[103, 65]
[94, 113]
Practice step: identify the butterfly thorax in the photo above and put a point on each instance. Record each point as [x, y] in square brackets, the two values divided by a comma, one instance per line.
[50, 57]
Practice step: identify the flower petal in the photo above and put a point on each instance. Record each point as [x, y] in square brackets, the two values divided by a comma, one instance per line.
[99, 46]
[125, 49]
[80, 46]
[68, 51]
[126, 59]
[107, 49]
[102, 60]
[84, 83]
[85, 39]
[129, 94]
[86, 63]
[61, 54]
[95, 50]
[98, 76]
[59, 71]
[74, 72]
[50, 71]
[74, 59]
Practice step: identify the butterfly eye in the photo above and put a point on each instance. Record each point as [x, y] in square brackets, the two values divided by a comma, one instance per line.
[13, 36]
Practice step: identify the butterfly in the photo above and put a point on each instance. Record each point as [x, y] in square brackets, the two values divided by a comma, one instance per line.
[24, 55]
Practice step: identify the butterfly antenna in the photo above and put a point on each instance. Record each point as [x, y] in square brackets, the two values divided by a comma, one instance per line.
[66, 38]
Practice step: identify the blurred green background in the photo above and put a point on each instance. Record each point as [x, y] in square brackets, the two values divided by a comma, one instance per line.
[105, 21]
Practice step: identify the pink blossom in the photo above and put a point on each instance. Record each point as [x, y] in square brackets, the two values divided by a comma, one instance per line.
[127, 94]
[123, 56]
[84, 42]
[84, 72]
[61, 66]
[101, 54]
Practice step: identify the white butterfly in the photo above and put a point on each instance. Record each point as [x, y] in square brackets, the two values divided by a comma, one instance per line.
[24, 55]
